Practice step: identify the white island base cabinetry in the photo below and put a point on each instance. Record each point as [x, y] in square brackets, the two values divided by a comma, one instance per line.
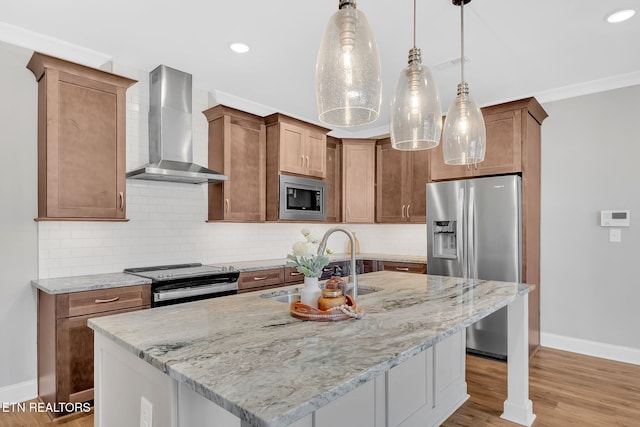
[421, 391]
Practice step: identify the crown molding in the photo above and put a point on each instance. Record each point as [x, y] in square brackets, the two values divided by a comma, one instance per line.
[55, 47]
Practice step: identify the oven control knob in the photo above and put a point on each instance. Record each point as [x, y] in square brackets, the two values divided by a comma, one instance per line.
[169, 275]
[231, 268]
[160, 276]
[223, 268]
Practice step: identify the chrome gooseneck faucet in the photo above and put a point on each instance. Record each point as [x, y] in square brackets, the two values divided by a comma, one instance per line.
[323, 246]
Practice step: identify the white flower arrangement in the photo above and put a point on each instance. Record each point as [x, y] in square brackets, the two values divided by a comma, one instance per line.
[305, 255]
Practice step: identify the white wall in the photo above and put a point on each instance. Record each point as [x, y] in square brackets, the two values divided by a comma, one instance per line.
[18, 238]
[590, 289]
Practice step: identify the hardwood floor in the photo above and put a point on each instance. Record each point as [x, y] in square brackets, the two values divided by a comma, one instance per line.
[566, 389]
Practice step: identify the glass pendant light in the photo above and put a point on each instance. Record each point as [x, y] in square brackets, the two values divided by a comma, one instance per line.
[464, 136]
[348, 85]
[416, 115]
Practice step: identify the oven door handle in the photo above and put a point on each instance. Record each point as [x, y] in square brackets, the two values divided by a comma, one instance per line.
[187, 292]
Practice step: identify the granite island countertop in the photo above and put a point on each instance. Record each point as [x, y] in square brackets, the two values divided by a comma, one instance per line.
[248, 355]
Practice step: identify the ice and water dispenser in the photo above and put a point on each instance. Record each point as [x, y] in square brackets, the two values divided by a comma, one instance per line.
[445, 239]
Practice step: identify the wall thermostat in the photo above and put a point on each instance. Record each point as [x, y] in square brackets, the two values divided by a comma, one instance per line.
[621, 218]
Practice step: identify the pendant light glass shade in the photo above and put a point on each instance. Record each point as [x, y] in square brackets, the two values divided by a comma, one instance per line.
[464, 138]
[416, 114]
[348, 85]
[415, 121]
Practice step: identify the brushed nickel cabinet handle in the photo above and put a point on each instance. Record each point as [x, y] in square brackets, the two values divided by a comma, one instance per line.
[227, 205]
[260, 278]
[408, 214]
[102, 301]
[402, 268]
[297, 273]
[302, 160]
[121, 195]
[307, 157]
[403, 206]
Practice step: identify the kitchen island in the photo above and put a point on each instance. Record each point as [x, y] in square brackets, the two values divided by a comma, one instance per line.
[243, 360]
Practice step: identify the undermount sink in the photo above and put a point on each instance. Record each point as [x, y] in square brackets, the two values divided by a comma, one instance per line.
[291, 295]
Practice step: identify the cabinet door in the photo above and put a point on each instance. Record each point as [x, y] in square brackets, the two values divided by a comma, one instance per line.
[85, 170]
[292, 140]
[75, 356]
[503, 152]
[390, 184]
[292, 276]
[442, 171]
[358, 181]
[406, 267]
[245, 163]
[315, 153]
[334, 182]
[418, 175]
[260, 279]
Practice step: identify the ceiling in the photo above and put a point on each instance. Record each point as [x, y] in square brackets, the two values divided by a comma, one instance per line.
[518, 48]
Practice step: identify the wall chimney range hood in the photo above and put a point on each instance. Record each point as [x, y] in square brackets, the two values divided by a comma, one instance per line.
[170, 133]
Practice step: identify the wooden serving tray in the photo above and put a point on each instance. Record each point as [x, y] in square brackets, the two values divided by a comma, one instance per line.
[305, 312]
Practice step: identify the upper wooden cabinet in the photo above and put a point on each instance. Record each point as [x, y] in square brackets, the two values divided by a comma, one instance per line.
[81, 141]
[401, 178]
[334, 180]
[237, 148]
[509, 133]
[358, 180]
[297, 147]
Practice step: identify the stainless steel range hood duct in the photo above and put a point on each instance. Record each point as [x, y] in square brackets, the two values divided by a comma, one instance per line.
[170, 134]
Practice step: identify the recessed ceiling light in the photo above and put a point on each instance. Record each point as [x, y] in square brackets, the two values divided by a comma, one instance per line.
[621, 15]
[239, 47]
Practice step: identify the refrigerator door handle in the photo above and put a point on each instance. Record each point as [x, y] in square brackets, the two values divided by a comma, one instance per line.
[471, 238]
[460, 232]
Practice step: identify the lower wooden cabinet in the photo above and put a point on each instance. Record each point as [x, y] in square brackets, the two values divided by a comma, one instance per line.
[407, 267]
[65, 342]
[260, 279]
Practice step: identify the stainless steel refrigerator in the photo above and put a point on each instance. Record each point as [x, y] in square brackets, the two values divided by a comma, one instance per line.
[474, 231]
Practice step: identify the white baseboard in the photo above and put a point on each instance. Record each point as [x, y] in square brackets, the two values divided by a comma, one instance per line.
[591, 348]
[20, 392]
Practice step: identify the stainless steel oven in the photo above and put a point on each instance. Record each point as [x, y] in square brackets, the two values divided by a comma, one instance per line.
[302, 199]
[178, 283]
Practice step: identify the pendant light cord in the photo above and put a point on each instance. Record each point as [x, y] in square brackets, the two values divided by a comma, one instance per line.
[461, 40]
[414, 24]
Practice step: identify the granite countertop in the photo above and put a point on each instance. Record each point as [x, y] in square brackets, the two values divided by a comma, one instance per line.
[266, 264]
[63, 285]
[248, 355]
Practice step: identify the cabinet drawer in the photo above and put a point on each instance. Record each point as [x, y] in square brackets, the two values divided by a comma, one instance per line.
[407, 267]
[292, 275]
[260, 279]
[101, 300]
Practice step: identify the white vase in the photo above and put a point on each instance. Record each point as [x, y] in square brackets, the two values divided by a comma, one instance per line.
[310, 292]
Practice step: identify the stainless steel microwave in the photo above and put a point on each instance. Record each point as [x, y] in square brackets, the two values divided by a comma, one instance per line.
[302, 199]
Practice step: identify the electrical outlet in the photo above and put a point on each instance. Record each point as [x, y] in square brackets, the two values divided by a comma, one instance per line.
[615, 235]
[146, 413]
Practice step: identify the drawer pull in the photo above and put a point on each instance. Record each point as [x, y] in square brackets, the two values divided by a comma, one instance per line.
[402, 268]
[260, 278]
[296, 273]
[102, 301]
